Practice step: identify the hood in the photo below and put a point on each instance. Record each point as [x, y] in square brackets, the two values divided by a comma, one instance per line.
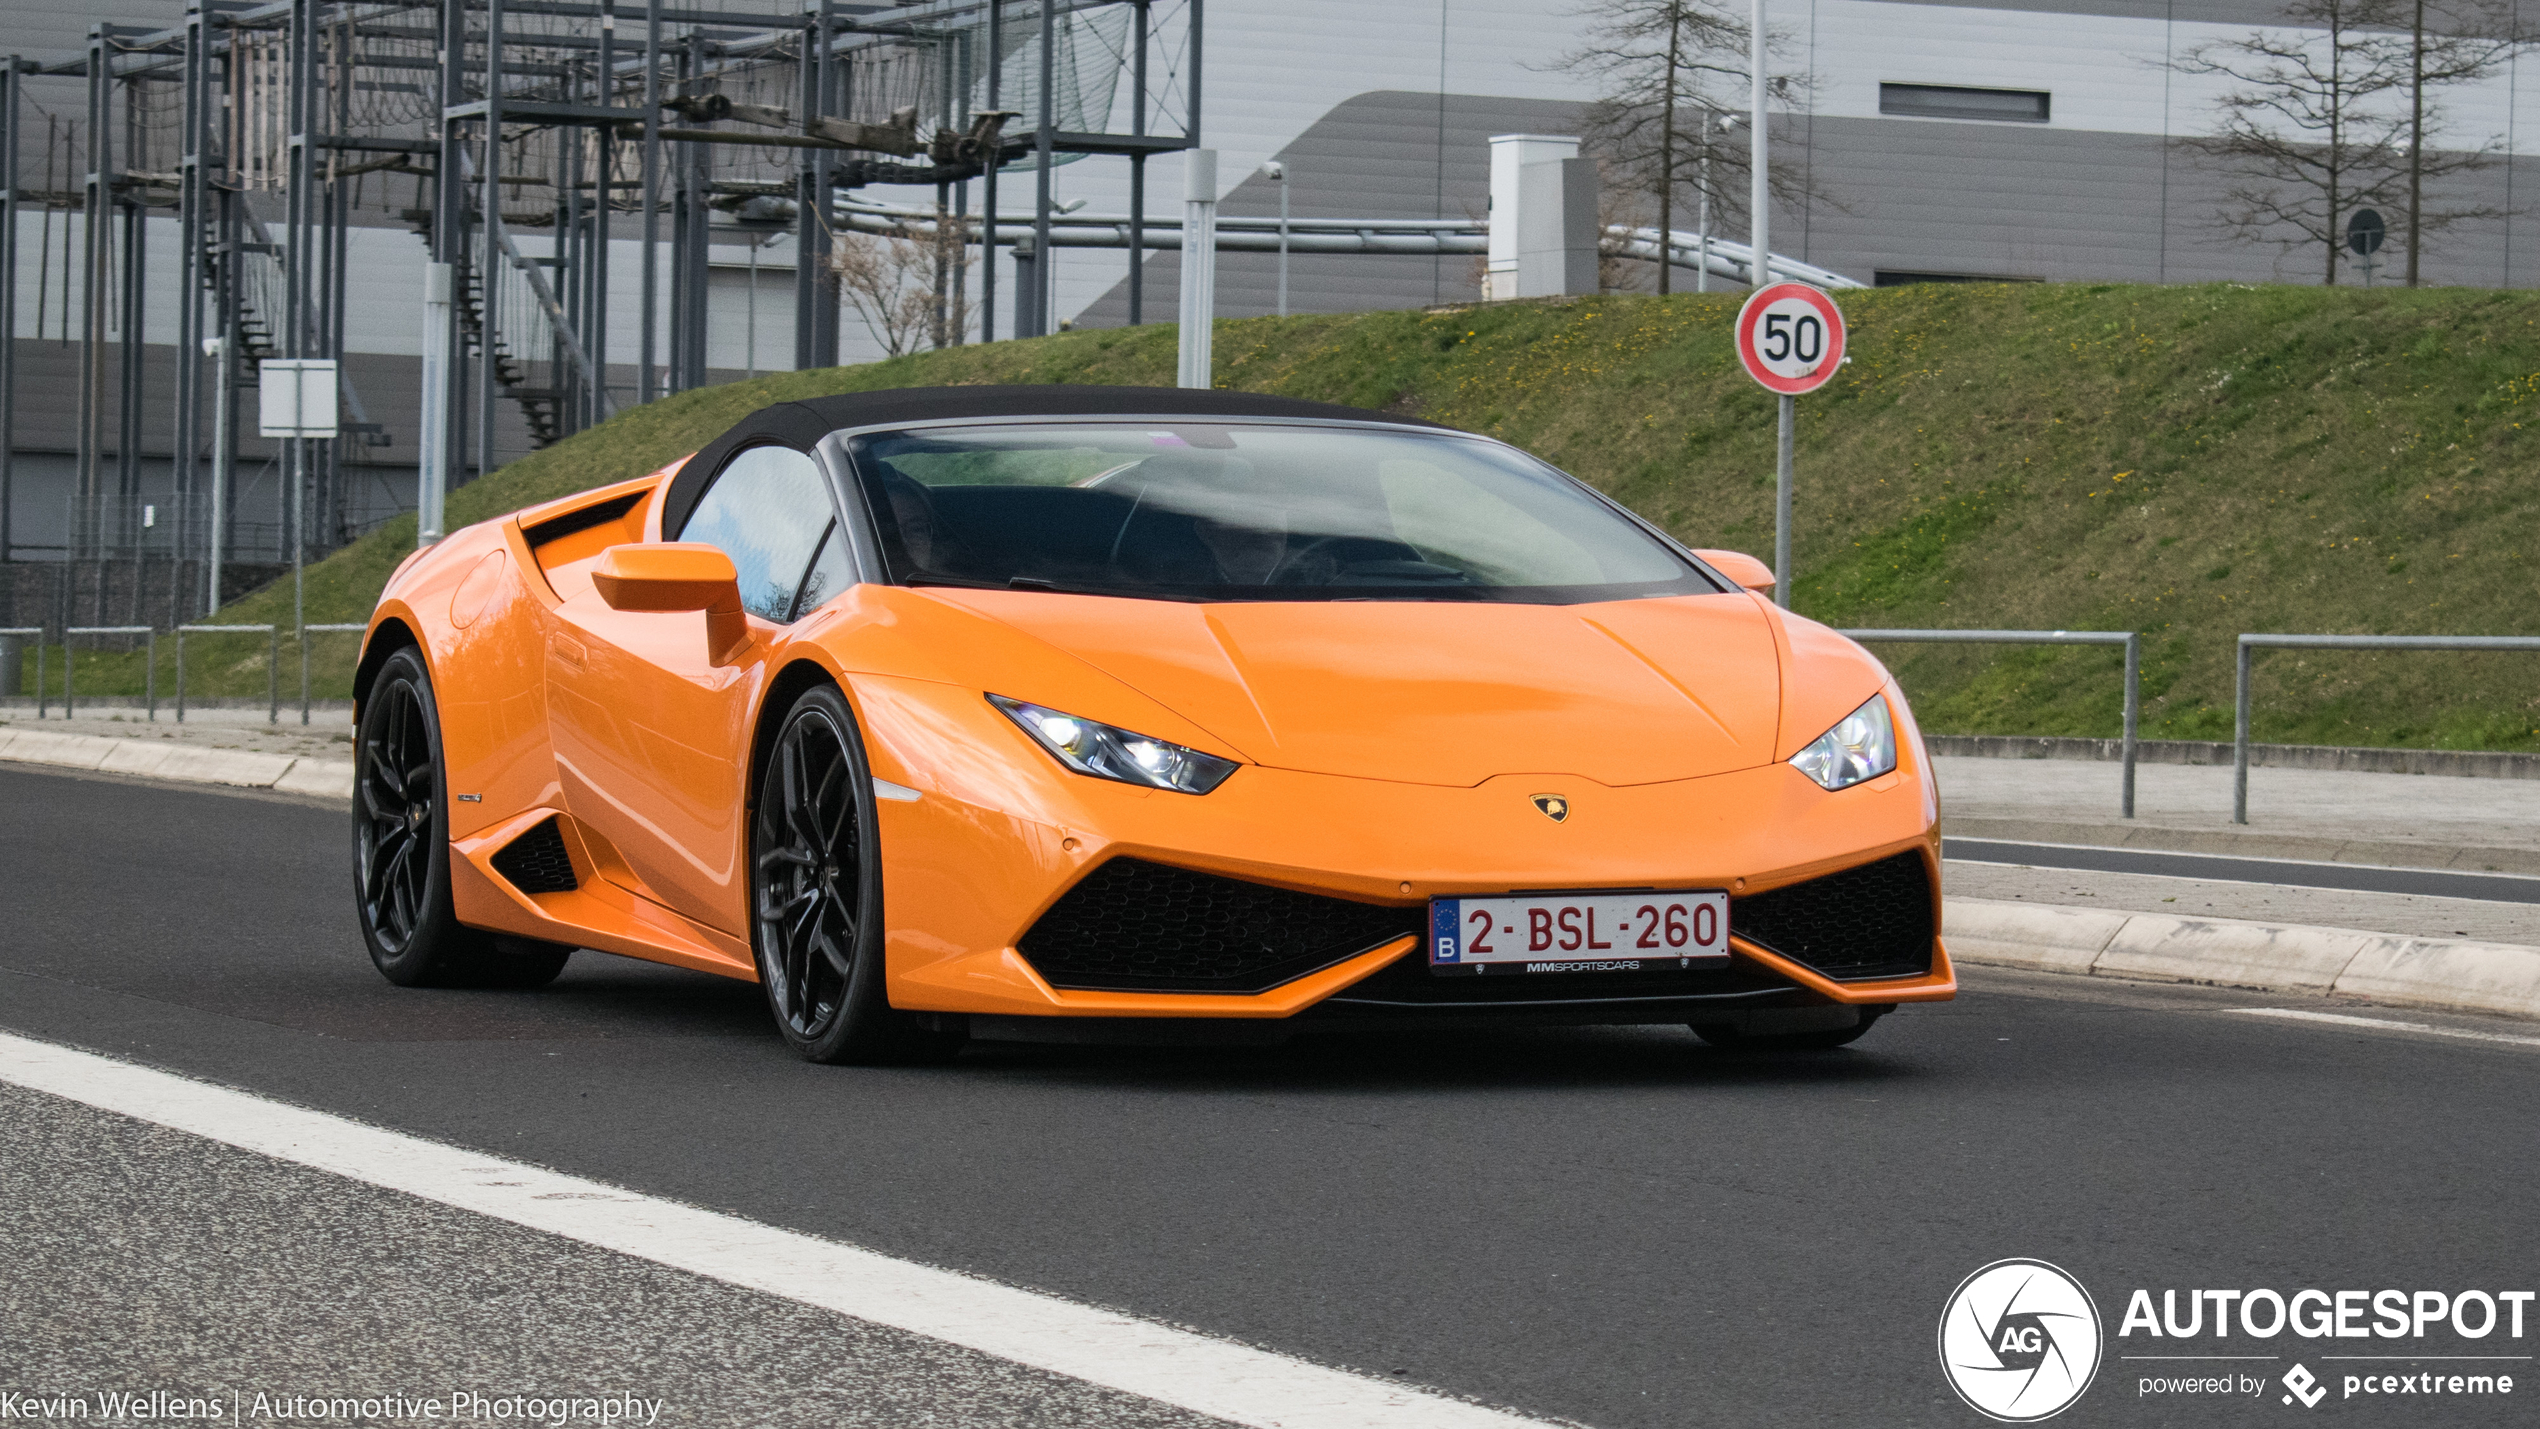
[1437, 692]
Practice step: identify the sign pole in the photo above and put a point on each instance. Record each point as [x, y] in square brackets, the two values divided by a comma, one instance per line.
[1781, 505]
[1790, 338]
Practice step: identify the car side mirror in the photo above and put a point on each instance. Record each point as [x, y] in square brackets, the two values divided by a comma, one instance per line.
[677, 576]
[1742, 568]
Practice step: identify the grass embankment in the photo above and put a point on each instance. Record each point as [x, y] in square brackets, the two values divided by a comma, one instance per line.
[2191, 462]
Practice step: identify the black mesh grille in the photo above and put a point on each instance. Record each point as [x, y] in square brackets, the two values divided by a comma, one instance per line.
[537, 863]
[1134, 925]
[1868, 922]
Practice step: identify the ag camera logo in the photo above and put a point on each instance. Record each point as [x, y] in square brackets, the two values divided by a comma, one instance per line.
[2019, 1340]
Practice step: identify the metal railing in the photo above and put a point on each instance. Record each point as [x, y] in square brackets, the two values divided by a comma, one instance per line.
[305, 632]
[149, 662]
[37, 631]
[2248, 643]
[273, 664]
[2132, 640]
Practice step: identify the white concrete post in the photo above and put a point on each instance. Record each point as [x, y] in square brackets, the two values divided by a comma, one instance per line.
[1199, 264]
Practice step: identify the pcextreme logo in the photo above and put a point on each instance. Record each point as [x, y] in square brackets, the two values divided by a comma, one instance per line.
[2019, 1340]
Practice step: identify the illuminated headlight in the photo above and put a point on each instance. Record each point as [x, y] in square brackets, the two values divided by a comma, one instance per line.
[1862, 746]
[1106, 752]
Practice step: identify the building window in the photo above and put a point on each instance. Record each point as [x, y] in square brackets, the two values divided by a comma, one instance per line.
[1950, 101]
[1898, 278]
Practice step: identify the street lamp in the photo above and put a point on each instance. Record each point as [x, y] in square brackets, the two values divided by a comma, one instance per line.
[1278, 172]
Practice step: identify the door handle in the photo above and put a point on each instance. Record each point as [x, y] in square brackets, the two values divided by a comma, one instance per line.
[568, 652]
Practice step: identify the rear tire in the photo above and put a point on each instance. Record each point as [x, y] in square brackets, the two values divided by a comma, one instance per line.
[401, 850]
[816, 895]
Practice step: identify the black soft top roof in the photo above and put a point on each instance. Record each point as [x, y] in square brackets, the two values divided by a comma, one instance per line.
[802, 424]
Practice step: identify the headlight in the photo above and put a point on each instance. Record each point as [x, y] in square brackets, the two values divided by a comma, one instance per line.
[1106, 752]
[1862, 746]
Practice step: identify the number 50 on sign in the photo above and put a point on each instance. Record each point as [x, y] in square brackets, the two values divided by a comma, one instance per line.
[1790, 337]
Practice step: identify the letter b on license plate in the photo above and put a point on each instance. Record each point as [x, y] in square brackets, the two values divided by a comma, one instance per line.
[1578, 932]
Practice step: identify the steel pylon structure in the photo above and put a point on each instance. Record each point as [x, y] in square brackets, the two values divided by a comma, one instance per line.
[562, 171]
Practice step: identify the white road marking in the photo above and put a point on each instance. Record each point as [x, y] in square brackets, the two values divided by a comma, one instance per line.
[2385, 1024]
[1103, 1347]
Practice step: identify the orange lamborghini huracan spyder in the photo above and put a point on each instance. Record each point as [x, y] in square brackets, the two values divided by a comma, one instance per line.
[1137, 714]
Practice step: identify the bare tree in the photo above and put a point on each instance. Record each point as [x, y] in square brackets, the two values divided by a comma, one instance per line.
[2313, 127]
[2477, 39]
[897, 284]
[1664, 69]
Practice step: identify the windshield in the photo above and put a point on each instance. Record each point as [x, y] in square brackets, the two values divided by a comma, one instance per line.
[1229, 511]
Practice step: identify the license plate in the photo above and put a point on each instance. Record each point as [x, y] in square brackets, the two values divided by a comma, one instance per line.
[1578, 932]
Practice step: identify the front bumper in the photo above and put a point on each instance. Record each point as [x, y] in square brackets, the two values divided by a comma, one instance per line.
[996, 836]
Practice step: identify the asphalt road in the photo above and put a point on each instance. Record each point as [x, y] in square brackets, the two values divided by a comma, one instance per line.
[2348, 877]
[1619, 1227]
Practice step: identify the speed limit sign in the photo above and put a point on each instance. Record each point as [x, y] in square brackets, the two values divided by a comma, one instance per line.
[1790, 336]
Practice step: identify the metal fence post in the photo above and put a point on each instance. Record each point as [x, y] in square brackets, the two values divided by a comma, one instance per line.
[2133, 713]
[2132, 640]
[2240, 737]
[305, 632]
[38, 632]
[273, 673]
[272, 680]
[149, 669]
[2248, 644]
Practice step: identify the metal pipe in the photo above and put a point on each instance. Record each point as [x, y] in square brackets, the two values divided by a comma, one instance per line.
[2131, 640]
[2247, 644]
[9, 124]
[644, 389]
[224, 408]
[488, 318]
[305, 632]
[988, 181]
[1044, 145]
[1783, 575]
[1760, 191]
[183, 630]
[1138, 170]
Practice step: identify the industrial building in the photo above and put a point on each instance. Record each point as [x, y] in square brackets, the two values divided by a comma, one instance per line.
[1930, 142]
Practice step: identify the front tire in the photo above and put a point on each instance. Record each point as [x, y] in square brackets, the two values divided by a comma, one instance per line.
[1730, 1035]
[816, 895]
[401, 850]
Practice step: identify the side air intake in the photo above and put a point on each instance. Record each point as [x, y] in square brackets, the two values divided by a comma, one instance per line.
[536, 862]
[1873, 921]
[1132, 925]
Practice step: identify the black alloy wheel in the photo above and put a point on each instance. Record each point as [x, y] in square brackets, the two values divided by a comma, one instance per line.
[816, 895]
[401, 850]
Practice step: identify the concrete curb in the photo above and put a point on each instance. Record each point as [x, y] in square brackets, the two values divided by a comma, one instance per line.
[2457, 763]
[2237, 843]
[184, 763]
[2433, 973]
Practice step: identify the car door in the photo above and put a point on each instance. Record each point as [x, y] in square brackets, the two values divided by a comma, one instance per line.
[651, 735]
